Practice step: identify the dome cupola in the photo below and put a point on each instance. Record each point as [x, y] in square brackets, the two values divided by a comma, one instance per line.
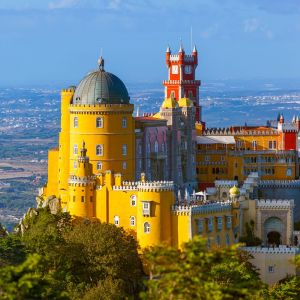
[101, 87]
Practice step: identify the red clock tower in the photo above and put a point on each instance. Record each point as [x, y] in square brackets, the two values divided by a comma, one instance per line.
[181, 77]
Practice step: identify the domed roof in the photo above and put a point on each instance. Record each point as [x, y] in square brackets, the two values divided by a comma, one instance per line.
[234, 191]
[169, 103]
[185, 102]
[101, 87]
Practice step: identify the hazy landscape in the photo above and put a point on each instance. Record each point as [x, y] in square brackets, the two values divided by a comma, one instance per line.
[30, 120]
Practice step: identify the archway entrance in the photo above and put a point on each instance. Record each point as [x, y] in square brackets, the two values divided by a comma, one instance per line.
[273, 231]
[274, 238]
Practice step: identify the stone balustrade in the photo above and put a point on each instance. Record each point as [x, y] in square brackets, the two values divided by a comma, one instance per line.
[275, 203]
[272, 250]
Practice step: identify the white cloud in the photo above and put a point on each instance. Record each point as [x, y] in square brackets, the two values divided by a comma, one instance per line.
[254, 25]
[62, 4]
[210, 31]
[251, 25]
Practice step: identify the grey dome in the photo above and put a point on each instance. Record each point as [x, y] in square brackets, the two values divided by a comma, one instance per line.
[101, 87]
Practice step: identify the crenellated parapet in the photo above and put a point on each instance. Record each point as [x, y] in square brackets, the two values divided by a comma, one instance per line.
[81, 181]
[275, 204]
[155, 186]
[205, 208]
[272, 250]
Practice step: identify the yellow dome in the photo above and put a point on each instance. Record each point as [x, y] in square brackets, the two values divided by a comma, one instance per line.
[169, 103]
[234, 191]
[185, 102]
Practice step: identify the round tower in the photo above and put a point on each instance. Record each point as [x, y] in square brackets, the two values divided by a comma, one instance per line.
[101, 115]
[82, 188]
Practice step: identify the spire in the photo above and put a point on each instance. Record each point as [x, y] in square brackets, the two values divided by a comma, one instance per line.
[138, 111]
[168, 49]
[101, 63]
[297, 119]
[83, 150]
[195, 49]
[181, 47]
[294, 119]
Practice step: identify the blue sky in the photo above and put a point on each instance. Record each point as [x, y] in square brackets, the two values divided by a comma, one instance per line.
[59, 41]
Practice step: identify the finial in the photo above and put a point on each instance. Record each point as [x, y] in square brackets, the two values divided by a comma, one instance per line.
[168, 49]
[101, 63]
[195, 49]
[181, 47]
[83, 150]
[138, 111]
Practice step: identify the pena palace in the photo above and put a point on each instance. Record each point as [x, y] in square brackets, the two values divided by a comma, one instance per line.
[165, 176]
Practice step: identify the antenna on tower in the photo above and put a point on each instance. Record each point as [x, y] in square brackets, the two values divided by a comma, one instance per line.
[191, 38]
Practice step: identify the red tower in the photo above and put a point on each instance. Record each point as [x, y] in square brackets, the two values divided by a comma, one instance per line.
[181, 77]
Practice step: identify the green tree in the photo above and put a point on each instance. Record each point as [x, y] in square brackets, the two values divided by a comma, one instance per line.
[12, 250]
[108, 252]
[286, 289]
[196, 272]
[26, 281]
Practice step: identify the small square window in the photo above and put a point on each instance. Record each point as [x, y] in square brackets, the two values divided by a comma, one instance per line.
[82, 198]
[99, 165]
[124, 123]
[271, 269]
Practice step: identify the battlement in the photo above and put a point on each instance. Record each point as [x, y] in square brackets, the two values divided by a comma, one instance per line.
[275, 203]
[279, 183]
[71, 89]
[81, 181]
[180, 82]
[203, 208]
[226, 183]
[239, 131]
[272, 250]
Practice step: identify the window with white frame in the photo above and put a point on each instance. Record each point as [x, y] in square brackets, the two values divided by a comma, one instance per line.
[99, 150]
[200, 226]
[146, 208]
[75, 122]
[99, 122]
[124, 122]
[163, 147]
[99, 165]
[228, 222]
[133, 200]
[146, 227]
[271, 269]
[117, 220]
[124, 165]
[75, 149]
[124, 149]
[254, 145]
[75, 164]
[220, 223]
[132, 221]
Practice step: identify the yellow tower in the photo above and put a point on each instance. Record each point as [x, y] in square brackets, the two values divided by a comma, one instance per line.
[82, 188]
[155, 200]
[101, 115]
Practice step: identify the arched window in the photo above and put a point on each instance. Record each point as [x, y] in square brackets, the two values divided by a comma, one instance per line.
[124, 122]
[99, 122]
[254, 145]
[146, 227]
[133, 200]
[132, 221]
[75, 164]
[99, 150]
[116, 220]
[156, 147]
[218, 240]
[75, 122]
[75, 149]
[163, 147]
[99, 165]
[124, 165]
[124, 149]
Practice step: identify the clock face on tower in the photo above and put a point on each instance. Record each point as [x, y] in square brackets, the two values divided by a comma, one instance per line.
[174, 69]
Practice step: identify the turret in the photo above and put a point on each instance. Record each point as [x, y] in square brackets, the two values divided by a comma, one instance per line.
[195, 55]
[82, 187]
[168, 55]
